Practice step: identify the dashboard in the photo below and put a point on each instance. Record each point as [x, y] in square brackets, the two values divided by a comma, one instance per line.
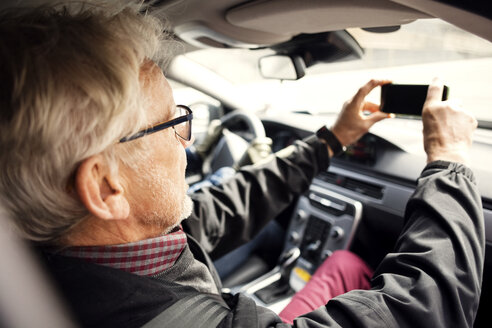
[381, 170]
[391, 152]
[359, 202]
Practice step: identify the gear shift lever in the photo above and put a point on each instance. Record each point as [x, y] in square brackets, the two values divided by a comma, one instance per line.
[287, 260]
[280, 274]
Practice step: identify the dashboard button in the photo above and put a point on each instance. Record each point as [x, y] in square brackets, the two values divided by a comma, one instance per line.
[294, 237]
[302, 215]
[337, 233]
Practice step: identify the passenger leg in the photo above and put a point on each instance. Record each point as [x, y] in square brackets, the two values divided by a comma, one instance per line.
[343, 271]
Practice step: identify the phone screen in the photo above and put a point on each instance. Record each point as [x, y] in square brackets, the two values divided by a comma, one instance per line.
[405, 99]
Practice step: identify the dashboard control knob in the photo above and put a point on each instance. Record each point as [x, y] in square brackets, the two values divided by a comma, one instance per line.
[326, 253]
[337, 233]
[302, 215]
[294, 237]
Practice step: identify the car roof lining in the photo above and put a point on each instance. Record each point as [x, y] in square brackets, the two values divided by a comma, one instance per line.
[266, 22]
[466, 20]
[314, 16]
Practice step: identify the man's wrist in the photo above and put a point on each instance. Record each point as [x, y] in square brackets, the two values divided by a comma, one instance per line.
[452, 156]
[331, 140]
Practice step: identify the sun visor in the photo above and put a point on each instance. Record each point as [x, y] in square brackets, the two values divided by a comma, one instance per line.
[291, 17]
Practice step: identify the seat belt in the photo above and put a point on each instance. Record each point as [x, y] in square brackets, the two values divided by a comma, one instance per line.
[194, 310]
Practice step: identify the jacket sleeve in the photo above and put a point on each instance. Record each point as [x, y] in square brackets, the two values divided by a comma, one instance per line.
[226, 216]
[433, 278]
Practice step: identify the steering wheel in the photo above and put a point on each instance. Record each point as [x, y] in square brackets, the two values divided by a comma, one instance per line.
[231, 148]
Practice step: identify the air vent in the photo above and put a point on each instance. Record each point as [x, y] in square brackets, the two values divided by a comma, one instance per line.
[328, 205]
[329, 177]
[361, 187]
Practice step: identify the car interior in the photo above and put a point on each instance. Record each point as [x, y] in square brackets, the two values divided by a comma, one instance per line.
[270, 72]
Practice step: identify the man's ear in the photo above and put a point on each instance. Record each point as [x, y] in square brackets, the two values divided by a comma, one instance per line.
[100, 191]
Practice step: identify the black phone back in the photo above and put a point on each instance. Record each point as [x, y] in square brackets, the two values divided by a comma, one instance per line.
[406, 99]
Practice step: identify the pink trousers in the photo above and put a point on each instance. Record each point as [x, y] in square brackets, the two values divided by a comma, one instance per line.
[343, 271]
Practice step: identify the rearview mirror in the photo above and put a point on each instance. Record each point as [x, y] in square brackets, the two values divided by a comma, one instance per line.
[282, 67]
[306, 50]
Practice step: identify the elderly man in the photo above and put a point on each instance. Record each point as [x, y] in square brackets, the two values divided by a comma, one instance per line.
[93, 165]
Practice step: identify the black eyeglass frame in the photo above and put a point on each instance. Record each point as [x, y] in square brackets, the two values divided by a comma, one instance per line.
[161, 126]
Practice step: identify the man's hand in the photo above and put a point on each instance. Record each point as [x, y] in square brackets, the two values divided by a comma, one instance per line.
[352, 123]
[448, 128]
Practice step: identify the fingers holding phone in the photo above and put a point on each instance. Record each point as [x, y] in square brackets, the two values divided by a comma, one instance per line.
[448, 128]
[352, 122]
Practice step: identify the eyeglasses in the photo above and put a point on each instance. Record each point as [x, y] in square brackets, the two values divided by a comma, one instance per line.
[181, 125]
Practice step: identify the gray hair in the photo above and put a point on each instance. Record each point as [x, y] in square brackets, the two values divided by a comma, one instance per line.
[69, 89]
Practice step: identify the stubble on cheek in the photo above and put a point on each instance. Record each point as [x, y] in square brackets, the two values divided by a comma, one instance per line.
[164, 203]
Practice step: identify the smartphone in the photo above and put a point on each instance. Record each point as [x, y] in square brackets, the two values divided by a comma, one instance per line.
[405, 99]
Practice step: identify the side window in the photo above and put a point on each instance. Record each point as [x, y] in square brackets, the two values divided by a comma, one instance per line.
[204, 107]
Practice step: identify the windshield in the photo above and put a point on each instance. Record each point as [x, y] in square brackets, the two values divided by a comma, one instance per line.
[414, 54]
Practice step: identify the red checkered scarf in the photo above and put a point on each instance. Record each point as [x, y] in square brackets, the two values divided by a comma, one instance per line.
[145, 257]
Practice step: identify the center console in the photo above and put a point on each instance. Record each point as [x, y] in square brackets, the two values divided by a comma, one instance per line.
[323, 222]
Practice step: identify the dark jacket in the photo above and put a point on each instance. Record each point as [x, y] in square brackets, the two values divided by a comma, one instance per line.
[432, 279]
